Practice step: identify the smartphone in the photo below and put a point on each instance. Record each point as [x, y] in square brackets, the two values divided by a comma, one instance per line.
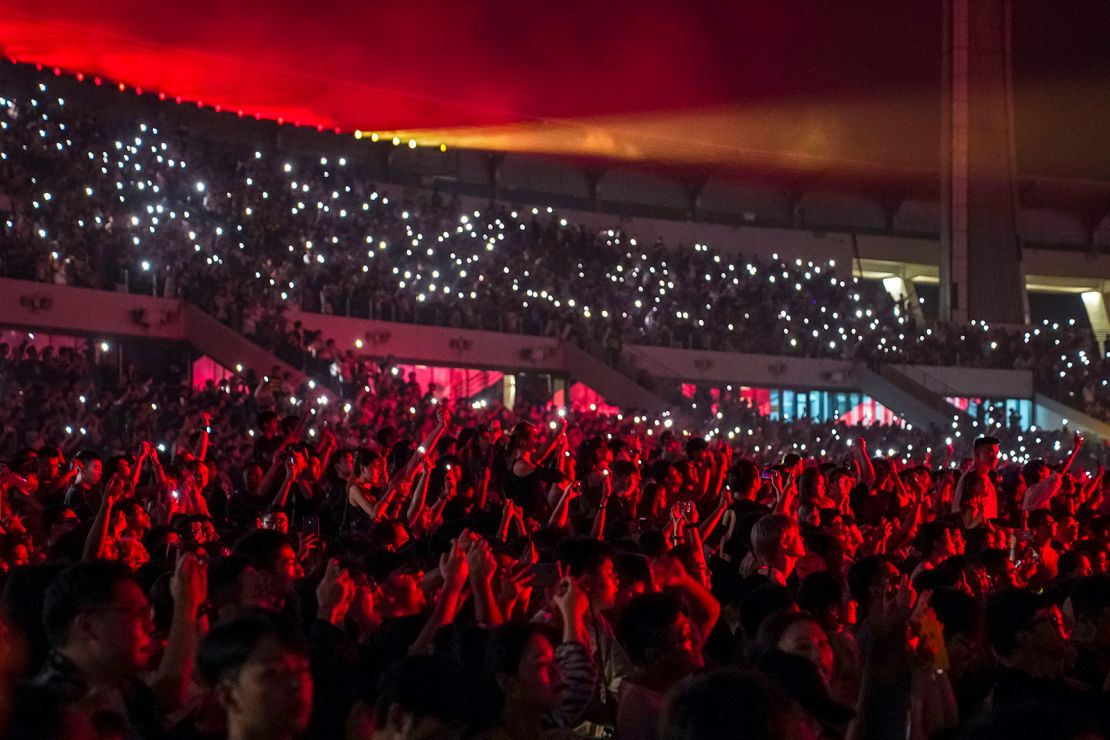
[311, 525]
[765, 475]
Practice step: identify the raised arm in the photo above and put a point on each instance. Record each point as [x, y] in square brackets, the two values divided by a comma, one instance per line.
[866, 469]
[597, 532]
[98, 535]
[453, 565]
[419, 496]
[483, 566]
[1077, 444]
[559, 514]
[282, 495]
[704, 608]
[555, 443]
[189, 587]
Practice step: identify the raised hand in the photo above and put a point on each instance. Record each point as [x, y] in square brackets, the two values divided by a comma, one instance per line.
[362, 609]
[529, 556]
[481, 562]
[114, 491]
[335, 593]
[453, 565]
[308, 543]
[569, 597]
[189, 585]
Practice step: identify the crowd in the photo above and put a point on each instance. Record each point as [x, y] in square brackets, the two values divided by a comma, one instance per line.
[247, 560]
[245, 232]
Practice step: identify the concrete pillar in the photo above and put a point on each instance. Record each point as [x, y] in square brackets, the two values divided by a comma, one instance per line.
[1098, 314]
[493, 173]
[980, 267]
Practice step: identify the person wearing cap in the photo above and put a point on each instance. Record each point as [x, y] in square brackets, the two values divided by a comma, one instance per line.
[1044, 483]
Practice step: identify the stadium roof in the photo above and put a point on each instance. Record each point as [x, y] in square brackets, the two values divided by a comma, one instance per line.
[786, 89]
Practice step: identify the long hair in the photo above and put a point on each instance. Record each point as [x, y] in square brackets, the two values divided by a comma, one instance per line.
[504, 650]
[523, 434]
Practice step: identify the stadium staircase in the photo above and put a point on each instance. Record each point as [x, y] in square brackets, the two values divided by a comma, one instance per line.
[100, 313]
[919, 404]
[234, 351]
[1048, 413]
[621, 385]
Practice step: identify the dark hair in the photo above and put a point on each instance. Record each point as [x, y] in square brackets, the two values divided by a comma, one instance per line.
[1037, 517]
[761, 602]
[645, 622]
[981, 442]
[261, 547]
[87, 456]
[1008, 613]
[50, 452]
[76, 589]
[930, 534]
[820, 591]
[707, 707]
[425, 686]
[696, 444]
[223, 579]
[744, 475]
[229, 645]
[632, 568]
[861, 574]
[504, 651]
[1090, 596]
[958, 611]
[21, 606]
[264, 418]
[774, 627]
[1069, 561]
[583, 554]
[1031, 471]
[624, 468]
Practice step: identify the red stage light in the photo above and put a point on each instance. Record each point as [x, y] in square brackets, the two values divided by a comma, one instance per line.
[97, 81]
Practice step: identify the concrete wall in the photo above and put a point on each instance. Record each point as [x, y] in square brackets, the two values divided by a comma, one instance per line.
[972, 382]
[61, 308]
[539, 175]
[754, 370]
[434, 345]
[641, 188]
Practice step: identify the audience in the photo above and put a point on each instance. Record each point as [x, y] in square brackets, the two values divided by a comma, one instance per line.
[243, 560]
[247, 232]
